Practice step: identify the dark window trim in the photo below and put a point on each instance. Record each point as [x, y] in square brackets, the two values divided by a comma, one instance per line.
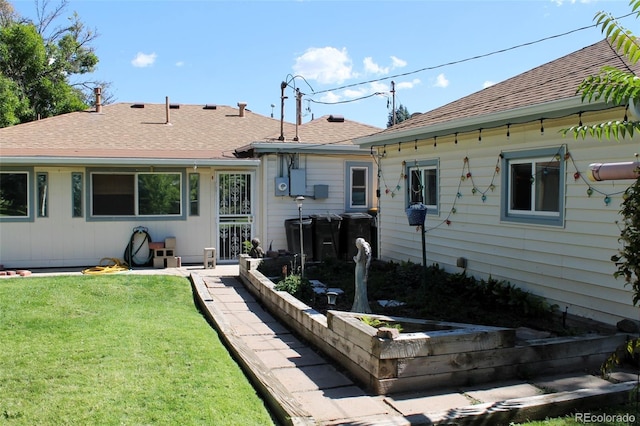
[31, 201]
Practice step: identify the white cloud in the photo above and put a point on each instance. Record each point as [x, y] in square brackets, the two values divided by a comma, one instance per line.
[397, 62]
[373, 68]
[143, 60]
[441, 81]
[327, 65]
[330, 97]
[409, 84]
[179, 64]
[488, 83]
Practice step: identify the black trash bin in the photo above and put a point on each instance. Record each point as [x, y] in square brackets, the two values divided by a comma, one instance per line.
[326, 235]
[292, 229]
[354, 225]
[374, 232]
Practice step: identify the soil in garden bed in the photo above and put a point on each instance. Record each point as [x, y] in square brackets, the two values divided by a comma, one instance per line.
[436, 295]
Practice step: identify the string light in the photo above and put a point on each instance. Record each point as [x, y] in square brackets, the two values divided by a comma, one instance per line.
[456, 139]
[508, 130]
[541, 126]
[480, 135]
[435, 141]
[399, 146]
[580, 119]
[415, 145]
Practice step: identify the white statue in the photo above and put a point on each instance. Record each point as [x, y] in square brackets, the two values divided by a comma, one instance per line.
[362, 260]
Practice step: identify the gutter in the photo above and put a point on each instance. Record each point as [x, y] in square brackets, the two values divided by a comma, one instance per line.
[157, 162]
[547, 110]
[320, 148]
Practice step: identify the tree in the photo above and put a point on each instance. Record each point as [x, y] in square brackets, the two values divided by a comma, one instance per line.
[401, 114]
[613, 85]
[38, 63]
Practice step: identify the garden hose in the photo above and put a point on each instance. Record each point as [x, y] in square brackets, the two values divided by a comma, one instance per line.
[114, 266]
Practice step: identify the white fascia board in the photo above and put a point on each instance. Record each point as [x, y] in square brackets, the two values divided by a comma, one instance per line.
[548, 110]
[293, 147]
[157, 162]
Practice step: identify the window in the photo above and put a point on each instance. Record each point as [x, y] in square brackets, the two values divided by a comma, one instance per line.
[194, 194]
[43, 194]
[423, 184]
[76, 195]
[136, 194]
[359, 182]
[534, 182]
[14, 194]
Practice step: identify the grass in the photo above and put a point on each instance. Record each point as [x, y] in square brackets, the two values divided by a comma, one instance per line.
[112, 350]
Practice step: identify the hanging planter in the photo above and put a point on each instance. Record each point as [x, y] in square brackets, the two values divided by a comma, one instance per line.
[416, 214]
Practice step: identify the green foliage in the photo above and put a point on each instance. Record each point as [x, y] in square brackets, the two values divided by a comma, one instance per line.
[629, 350]
[377, 323]
[612, 85]
[628, 258]
[402, 114]
[36, 70]
[296, 285]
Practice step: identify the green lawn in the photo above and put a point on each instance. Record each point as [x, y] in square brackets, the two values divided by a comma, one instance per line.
[115, 350]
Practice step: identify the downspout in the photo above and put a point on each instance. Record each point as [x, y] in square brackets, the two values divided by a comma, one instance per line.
[614, 171]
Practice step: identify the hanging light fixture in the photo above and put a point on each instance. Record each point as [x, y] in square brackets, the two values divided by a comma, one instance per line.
[508, 130]
[541, 126]
[456, 139]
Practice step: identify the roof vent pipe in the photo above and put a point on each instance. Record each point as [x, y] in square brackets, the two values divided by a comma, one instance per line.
[242, 106]
[167, 107]
[98, 92]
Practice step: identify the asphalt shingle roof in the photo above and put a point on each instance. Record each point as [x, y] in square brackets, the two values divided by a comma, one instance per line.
[553, 81]
[122, 131]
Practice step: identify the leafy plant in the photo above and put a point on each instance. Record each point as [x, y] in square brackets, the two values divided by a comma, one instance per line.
[296, 285]
[627, 259]
[377, 323]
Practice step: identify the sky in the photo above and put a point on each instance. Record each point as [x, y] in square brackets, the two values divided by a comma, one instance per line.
[342, 55]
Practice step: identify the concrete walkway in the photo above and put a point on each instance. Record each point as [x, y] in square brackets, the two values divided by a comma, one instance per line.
[304, 388]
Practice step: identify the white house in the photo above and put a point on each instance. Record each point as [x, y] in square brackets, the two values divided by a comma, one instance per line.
[508, 196]
[74, 187]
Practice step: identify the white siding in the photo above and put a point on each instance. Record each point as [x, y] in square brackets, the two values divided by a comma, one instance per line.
[61, 240]
[568, 264]
[320, 170]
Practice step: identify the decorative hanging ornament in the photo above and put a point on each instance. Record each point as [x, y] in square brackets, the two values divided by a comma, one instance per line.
[532, 180]
[492, 187]
[567, 156]
[497, 169]
[462, 178]
[468, 175]
[484, 198]
[448, 222]
[459, 195]
[474, 190]
[453, 210]
[589, 191]
[576, 175]
[607, 200]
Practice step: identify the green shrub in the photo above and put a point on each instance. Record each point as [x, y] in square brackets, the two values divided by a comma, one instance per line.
[297, 286]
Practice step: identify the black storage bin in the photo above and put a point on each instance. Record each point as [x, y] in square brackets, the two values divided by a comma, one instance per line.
[292, 228]
[354, 225]
[326, 235]
[374, 232]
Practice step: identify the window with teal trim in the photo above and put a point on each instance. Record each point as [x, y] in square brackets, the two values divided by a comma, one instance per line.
[14, 194]
[534, 186]
[43, 194]
[423, 184]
